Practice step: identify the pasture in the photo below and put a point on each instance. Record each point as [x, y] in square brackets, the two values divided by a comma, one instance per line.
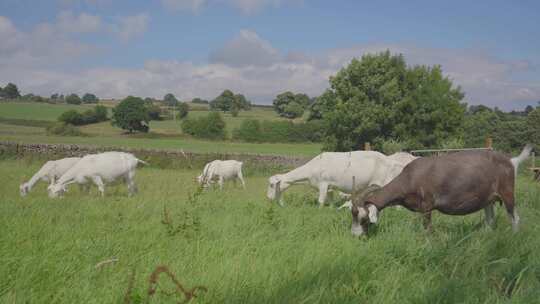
[165, 134]
[245, 250]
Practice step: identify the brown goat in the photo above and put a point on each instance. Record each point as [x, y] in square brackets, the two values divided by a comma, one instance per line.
[457, 184]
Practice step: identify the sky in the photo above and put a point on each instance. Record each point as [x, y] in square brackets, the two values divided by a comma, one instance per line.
[260, 48]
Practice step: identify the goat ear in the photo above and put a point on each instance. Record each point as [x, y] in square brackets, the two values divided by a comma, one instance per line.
[278, 189]
[373, 213]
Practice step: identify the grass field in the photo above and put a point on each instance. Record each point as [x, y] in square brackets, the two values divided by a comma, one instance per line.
[244, 250]
[166, 134]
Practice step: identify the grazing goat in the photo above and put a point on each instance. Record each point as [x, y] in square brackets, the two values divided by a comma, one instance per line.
[100, 169]
[221, 170]
[337, 170]
[456, 184]
[49, 172]
[403, 158]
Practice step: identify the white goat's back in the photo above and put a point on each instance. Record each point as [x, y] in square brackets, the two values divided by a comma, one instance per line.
[108, 165]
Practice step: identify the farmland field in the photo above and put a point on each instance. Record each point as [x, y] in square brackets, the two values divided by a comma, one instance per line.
[245, 250]
[165, 134]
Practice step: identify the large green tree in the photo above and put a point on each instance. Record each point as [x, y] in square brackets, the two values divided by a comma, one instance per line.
[227, 101]
[378, 98]
[322, 104]
[131, 114]
[170, 100]
[291, 105]
[73, 99]
[10, 91]
[90, 98]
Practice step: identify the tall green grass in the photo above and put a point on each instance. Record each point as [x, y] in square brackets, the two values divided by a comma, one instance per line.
[244, 250]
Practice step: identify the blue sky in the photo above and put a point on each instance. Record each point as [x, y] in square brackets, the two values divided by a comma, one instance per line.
[263, 47]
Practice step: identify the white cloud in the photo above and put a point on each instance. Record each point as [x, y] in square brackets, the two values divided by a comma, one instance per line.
[184, 5]
[83, 23]
[246, 64]
[129, 27]
[57, 42]
[247, 7]
[246, 49]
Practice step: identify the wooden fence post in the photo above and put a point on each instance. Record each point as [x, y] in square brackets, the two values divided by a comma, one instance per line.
[489, 143]
[367, 146]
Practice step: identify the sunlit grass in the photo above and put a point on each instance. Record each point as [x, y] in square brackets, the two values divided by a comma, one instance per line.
[245, 250]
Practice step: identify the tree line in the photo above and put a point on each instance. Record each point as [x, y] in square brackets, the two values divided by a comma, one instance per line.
[377, 98]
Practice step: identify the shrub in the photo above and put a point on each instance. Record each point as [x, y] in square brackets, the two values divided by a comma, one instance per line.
[211, 126]
[101, 113]
[183, 110]
[73, 99]
[71, 117]
[391, 146]
[154, 112]
[63, 129]
[249, 130]
[278, 131]
[98, 114]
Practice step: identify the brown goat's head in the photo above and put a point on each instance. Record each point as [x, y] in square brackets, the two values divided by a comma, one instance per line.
[363, 213]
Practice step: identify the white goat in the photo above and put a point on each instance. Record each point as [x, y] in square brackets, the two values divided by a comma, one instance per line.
[403, 158]
[221, 170]
[49, 172]
[338, 170]
[100, 169]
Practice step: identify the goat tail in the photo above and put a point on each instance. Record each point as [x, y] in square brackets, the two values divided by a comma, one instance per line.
[522, 156]
[142, 162]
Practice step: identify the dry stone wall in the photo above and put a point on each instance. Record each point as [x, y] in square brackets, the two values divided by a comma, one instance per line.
[161, 158]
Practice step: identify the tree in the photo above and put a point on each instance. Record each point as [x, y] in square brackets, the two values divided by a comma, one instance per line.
[199, 100]
[1, 93]
[73, 99]
[131, 114]
[533, 126]
[101, 113]
[227, 101]
[223, 102]
[170, 100]
[322, 104]
[293, 110]
[10, 91]
[290, 105]
[379, 98]
[183, 110]
[478, 126]
[90, 98]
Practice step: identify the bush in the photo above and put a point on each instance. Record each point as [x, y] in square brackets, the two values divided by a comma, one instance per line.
[249, 130]
[391, 146]
[154, 112]
[183, 110]
[211, 126]
[71, 117]
[73, 99]
[63, 129]
[98, 114]
[101, 113]
[252, 130]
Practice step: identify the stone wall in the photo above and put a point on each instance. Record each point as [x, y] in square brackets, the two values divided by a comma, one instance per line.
[161, 158]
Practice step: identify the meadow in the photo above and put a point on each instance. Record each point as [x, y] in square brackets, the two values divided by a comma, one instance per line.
[165, 134]
[243, 249]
